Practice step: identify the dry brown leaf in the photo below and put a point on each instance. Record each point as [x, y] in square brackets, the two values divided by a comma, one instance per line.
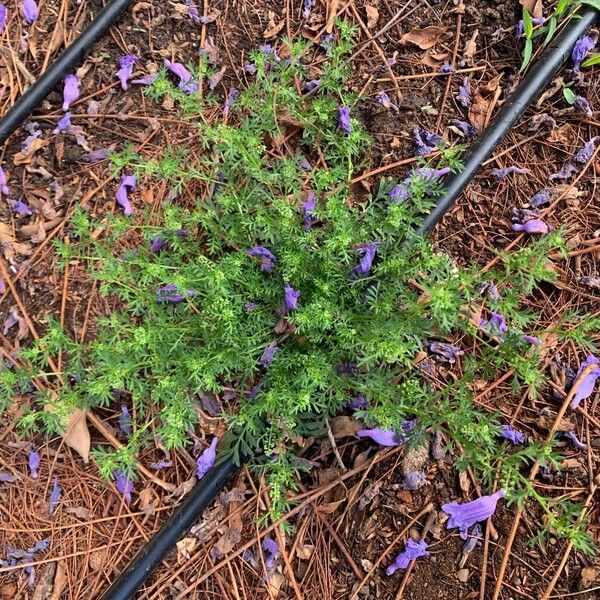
[564, 135]
[433, 59]
[423, 38]
[344, 427]
[185, 547]
[6, 234]
[44, 583]
[464, 482]
[555, 86]
[470, 49]
[97, 559]
[372, 15]
[483, 99]
[60, 580]
[24, 158]
[273, 29]
[305, 551]
[330, 507]
[58, 37]
[275, 581]
[81, 512]
[39, 234]
[146, 501]
[77, 435]
[332, 8]
[228, 540]
[535, 7]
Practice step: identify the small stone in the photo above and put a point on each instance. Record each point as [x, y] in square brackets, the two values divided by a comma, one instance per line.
[462, 575]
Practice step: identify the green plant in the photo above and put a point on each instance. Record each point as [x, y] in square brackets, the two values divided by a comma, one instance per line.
[355, 330]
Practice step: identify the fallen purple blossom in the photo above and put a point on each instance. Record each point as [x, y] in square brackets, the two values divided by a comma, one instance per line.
[381, 437]
[267, 258]
[368, 252]
[268, 354]
[54, 496]
[572, 437]
[6, 477]
[146, 79]
[63, 123]
[311, 85]
[582, 105]
[124, 486]
[307, 8]
[2, 286]
[30, 11]
[521, 215]
[430, 174]
[347, 368]
[586, 386]
[385, 101]
[206, 460]
[230, 100]
[590, 281]
[192, 11]
[214, 80]
[125, 420]
[532, 226]
[170, 293]
[566, 171]
[344, 119]
[505, 171]
[444, 352]
[211, 405]
[425, 141]
[491, 291]
[512, 435]
[249, 306]
[70, 91]
[20, 208]
[531, 339]
[585, 154]
[3, 17]
[157, 244]
[414, 480]
[308, 209]
[187, 82]
[464, 93]
[401, 192]
[466, 128]
[161, 464]
[28, 141]
[128, 182]
[446, 68]
[126, 64]
[250, 69]
[519, 28]
[582, 48]
[496, 325]
[269, 545]
[542, 120]
[412, 551]
[474, 539]
[464, 515]
[96, 156]
[33, 462]
[291, 297]
[542, 197]
[3, 183]
[358, 403]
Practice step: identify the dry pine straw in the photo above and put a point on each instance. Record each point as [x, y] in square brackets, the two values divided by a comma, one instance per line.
[90, 547]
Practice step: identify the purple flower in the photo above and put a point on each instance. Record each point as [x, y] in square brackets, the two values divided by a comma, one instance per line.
[531, 339]
[269, 545]
[512, 435]
[215, 79]
[586, 386]
[412, 551]
[161, 464]
[502, 173]
[54, 496]
[344, 119]
[491, 291]
[311, 85]
[268, 354]
[308, 209]
[230, 100]
[20, 208]
[34, 463]
[128, 182]
[401, 192]
[206, 460]
[249, 306]
[125, 420]
[464, 515]
[385, 100]
[146, 79]
[383, 438]
[566, 171]
[444, 352]
[543, 119]
[126, 64]
[586, 153]
[187, 82]
[291, 297]
[532, 226]
[446, 68]
[157, 244]
[590, 281]
[64, 123]
[425, 141]
[368, 252]
[124, 486]
[581, 49]
[542, 197]
[464, 93]
[267, 258]
[192, 11]
[583, 105]
[3, 187]
[3, 17]
[495, 326]
[467, 129]
[6, 477]
[520, 29]
[346, 368]
[474, 539]
[70, 91]
[170, 293]
[429, 173]
[2, 286]
[30, 11]
[538, 21]
[307, 8]
[97, 155]
[572, 437]
[358, 403]
[250, 69]
[414, 480]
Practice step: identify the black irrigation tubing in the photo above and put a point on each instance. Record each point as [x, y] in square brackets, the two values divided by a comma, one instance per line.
[207, 489]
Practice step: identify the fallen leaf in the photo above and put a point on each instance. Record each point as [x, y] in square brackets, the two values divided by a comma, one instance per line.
[273, 29]
[372, 15]
[275, 581]
[330, 507]
[60, 580]
[469, 50]
[6, 235]
[44, 583]
[24, 158]
[344, 426]
[464, 482]
[564, 135]
[181, 490]
[77, 435]
[423, 38]
[185, 547]
[97, 559]
[305, 551]
[433, 59]
[555, 86]
[228, 540]
[81, 512]
[535, 7]
[483, 99]
[146, 501]
[332, 8]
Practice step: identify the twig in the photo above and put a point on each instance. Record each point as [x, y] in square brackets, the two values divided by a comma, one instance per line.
[334, 447]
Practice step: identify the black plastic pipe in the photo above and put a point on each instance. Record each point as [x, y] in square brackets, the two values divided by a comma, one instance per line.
[544, 69]
[60, 67]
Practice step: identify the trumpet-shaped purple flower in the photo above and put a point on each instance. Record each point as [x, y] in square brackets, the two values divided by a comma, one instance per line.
[187, 82]
[586, 387]
[311, 85]
[464, 515]
[519, 29]
[269, 545]
[566, 171]
[425, 141]
[291, 297]
[308, 209]
[512, 435]
[464, 93]
[33, 462]
[146, 79]
[414, 481]
[128, 182]
[503, 172]
[532, 226]
[582, 48]
[3, 187]
[400, 193]
[381, 437]
[467, 129]
[268, 354]
[542, 197]
[63, 123]
[344, 119]
[207, 459]
[124, 486]
[412, 551]
[368, 252]
[126, 64]
[3, 17]
[30, 11]
[358, 403]
[582, 105]
[267, 258]
[572, 437]
[193, 12]
[586, 153]
[446, 68]
[70, 91]
[444, 352]
[125, 420]
[54, 496]
[20, 208]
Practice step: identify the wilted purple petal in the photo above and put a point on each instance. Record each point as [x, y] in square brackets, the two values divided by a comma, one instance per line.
[214, 80]
[267, 258]
[126, 64]
[542, 119]
[520, 29]
[590, 281]
[425, 141]
[538, 21]
[474, 539]
[446, 68]
[464, 515]
[307, 8]
[54, 496]
[210, 404]
[344, 119]
[206, 460]
[157, 244]
[467, 129]
[20, 208]
[34, 463]
[586, 386]
[146, 79]
[582, 105]
[268, 354]
[291, 297]
[230, 100]
[6, 477]
[464, 93]
[250, 69]
[249, 306]
[566, 171]
[444, 352]
[368, 252]
[308, 209]
[128, 182]
[170, 293]
[542, 197]
[64, 123]
[97, 155]
[401, 192]
[124, 486]
[385, 100]
[495, 326]
[3, 17]
[381, 437]
[531, 339]
[412, 551]
[161, 464]
[586, 153]
[490, 290]
[572, 437]
[192, 11]
[311, 85]
[269, 545]
[358, 403]
[3, 187]
[414, 480]
[70, 91]
[533, 226]
[582, 48]
[502, 173]
[30, 11]
[512, 435]
[125, 420]
[429, 173]
[187, 82]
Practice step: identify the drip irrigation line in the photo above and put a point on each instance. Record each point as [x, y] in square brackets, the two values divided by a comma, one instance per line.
[60, 67]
